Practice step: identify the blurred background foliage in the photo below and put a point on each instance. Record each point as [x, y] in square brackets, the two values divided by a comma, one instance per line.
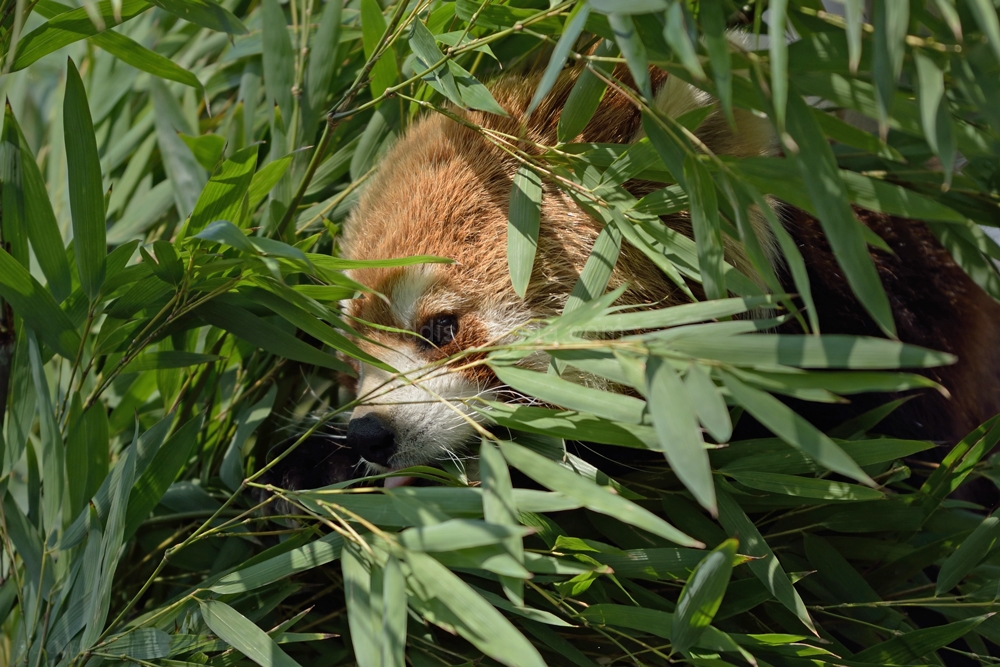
[172, 196]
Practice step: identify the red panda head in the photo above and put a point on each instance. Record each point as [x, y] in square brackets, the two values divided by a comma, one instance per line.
[444, 190]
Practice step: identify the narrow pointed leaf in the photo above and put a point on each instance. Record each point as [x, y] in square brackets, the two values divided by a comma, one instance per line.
[553, 476]
[86, 192]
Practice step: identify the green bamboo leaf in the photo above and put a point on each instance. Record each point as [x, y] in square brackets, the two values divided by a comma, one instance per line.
[86, 193]
[855, 19]
[279, 60]
[793, 462]
[14, 196]
[456, 534]
[805, 487]
[86, 452]
[595, 498]
[675, 32]
[701, 596]
[553, 389]
[677, 428]
[473, 93]
[586, 95]
[593, 280]
[240, 633]
[364, 606]
[51, 455]
[934, 113]
[186, 176]
[778, 47]
[444, 599]
[850, 135]
[150, 361]
[249, 418]
[572, 425]
[206, 148]
[628, 6]
[36, 306]
[633, 50]
[258, 332]
[319, 552]
[826, 189]
[499, 508]
[891, 20]
[688, 313]
[707, 232]
[381, 130]
[910, 648]
[373, 26]
[264, 180]
[206, 13]
[322, 59]
[225, 232]
[795, 430]
[68, 27]
[986, 17]
[972, 551]
[522, 227]
[121, 477]
[765, 566]
[160, 473]
[827, 351]
[222, 197]
[128, 50]
[713, 22]
[708, 403]
[394, 616]
[575, 23]
[427, 54]
[43, 230]
[140, 644]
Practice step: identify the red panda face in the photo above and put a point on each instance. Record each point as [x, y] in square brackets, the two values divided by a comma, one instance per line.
[444, 190]
[423, 413]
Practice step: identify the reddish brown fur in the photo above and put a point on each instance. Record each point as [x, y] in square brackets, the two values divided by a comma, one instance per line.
[444, 190]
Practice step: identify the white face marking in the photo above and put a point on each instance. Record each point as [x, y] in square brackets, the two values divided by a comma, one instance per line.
[426, 409]
[407, 293]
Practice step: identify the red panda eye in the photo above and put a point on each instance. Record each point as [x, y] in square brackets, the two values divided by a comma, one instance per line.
[440, 330]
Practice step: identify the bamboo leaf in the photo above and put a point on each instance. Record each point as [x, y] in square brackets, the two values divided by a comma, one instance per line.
[522, 227]
[373, 26]
[37, 307]
[258, 332]
[677, 428]
[68, 27]
[910, 648]
[222, 197]
[586, 95]
[969, 554]
[86, 192]
[826, 189]
[633, 50]
[322, 58]
[575, 23]
[237, 631]
[795, 430]
[279, 61]
[701, 596]
[553, 476]
[766, 566]
[206, 13]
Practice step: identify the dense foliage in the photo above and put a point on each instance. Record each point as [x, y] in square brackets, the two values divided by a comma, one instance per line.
[171, 202]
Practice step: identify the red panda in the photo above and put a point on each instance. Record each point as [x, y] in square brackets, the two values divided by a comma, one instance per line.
[444, 189]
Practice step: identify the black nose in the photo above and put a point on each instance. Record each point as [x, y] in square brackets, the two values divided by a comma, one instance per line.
[370, 438]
